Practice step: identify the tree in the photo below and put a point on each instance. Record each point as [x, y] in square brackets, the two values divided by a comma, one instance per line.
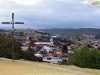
[6, 47]
[64, 49]
[28, 55]
[86, 58]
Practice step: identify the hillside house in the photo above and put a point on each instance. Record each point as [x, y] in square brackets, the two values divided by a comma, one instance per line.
[25, 44]
[56, 57]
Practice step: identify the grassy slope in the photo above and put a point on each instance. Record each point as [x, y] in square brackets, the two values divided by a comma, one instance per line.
[19, 68]
[74, 68]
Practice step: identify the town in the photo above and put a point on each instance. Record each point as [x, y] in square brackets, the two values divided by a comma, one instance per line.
[51, 48]
[49, 37]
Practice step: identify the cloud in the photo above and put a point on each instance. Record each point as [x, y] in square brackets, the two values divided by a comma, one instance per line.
[97, 12]
[85, 2]
[27, 2]
[50, 13]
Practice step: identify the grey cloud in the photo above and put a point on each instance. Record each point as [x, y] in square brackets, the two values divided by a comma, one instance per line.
[51, 14]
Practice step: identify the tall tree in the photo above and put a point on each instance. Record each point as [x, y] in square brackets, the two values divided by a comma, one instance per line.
[6, 47]
[64, 49]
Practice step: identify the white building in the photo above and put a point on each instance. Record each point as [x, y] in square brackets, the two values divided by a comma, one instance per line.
[44, 42]
[52, 59]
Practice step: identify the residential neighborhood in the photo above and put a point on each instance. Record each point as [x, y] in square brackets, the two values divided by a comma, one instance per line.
[44, 45]
[49, 47]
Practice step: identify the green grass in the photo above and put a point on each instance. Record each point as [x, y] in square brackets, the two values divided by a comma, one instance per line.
[71, 67]
[8, 67]
[93, 71]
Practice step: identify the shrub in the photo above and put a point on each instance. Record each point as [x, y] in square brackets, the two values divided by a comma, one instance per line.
[86, 58]
[28, 55]
[6, 48]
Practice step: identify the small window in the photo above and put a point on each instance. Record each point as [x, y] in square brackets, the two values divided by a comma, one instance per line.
[48, 58]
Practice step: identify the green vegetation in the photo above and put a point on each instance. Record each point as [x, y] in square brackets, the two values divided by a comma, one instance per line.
[64, 49]
[6, 47]
[85, 57]
[6, 50]
[28, 55]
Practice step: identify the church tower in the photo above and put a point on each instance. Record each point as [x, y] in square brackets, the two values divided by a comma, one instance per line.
[51, 41]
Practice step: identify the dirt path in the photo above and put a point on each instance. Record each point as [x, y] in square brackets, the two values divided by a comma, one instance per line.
[57, 68]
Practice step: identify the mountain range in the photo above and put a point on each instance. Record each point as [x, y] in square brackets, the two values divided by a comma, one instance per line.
[73, 32]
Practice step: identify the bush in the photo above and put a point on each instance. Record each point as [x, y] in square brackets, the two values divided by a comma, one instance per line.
[6, 48]
[28, 55]
[86, 58]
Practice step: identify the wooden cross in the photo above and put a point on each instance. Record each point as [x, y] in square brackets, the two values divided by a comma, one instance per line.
[13, 32]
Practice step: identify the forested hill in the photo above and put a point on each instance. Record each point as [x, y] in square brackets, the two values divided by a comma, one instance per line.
[73, 32]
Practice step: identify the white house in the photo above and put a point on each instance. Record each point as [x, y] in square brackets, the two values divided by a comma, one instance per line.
[52, 59]
[47, 48]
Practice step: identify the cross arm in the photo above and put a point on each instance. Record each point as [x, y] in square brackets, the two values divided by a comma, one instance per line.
[6, 22]
[19, 23]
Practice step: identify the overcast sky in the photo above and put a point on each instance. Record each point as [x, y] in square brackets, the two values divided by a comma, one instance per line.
[50, 14]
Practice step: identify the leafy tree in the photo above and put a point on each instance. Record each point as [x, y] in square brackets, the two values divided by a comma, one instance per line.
[86, 58]
[6, 47]
[6, 50]
[64, 49]
[28, 55]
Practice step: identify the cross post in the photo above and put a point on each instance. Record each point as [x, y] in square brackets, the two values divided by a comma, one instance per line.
[13, 32]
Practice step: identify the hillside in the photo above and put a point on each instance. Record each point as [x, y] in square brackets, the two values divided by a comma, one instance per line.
[73, 32]
[23, 67]
[1, 30]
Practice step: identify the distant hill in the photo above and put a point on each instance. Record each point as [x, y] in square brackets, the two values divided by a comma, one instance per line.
[73, 32]
[1, 30]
